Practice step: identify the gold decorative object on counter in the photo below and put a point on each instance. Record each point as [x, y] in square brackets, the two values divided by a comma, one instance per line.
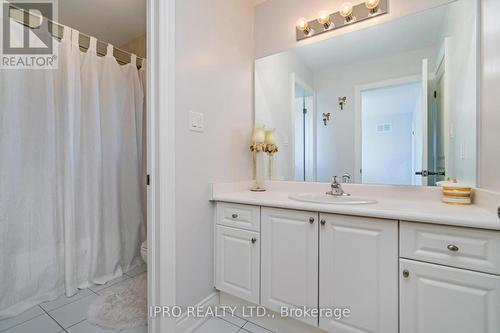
[263, 141]
[455, 193]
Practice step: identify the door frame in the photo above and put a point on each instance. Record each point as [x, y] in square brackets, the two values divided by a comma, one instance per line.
[295, 78]
[358, 108]
[161, 160]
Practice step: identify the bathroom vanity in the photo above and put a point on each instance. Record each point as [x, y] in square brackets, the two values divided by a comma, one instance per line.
[407, 263]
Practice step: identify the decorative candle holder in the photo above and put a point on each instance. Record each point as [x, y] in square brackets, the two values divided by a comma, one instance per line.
[258, 148]
[271, 150]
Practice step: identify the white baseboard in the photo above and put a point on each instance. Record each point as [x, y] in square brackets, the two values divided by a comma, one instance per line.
[187, 324]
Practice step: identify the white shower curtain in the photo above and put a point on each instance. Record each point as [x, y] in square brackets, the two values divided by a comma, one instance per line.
[71, 206]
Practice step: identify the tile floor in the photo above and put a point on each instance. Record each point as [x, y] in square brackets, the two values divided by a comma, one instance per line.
[66, 314]
[229, 324]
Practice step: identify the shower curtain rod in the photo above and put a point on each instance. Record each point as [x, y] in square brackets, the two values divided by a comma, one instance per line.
[56, 29]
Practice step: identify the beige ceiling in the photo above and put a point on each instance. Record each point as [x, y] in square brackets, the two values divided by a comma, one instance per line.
[113, 21]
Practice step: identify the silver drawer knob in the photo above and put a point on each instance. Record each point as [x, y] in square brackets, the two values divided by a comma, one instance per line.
[323, 222]
[254, 240]
[406, 273]
[311, 220]
[453, 248]
[234, 216]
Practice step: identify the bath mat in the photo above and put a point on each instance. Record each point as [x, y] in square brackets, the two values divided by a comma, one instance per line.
[122, 306]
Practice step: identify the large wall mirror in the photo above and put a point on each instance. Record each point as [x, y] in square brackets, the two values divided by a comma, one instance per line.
[395, 103]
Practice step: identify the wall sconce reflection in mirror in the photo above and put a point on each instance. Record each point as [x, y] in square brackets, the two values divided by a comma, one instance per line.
[326, 118]
[342, 102]
[347, 14]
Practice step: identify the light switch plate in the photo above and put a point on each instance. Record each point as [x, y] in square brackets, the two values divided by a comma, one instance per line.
[196, 121]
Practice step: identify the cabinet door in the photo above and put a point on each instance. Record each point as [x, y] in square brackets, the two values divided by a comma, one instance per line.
[359, 271]
[289, 260]
[237, 263]
[438, 299]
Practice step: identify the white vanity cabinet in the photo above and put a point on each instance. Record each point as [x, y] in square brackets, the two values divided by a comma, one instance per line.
[393, 276]
[237, 251]
[289, 267]
[435, 297]
[358, 270]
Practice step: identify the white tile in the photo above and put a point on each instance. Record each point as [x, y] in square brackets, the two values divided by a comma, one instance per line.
[116, 285]
[251, 327]
[216, 325]
[25, 316]
[136, 271]
[234, 320]
[39, 324]
[63, 300]
[73, 313]
[86, 327]
[142, 329]
[108, 284]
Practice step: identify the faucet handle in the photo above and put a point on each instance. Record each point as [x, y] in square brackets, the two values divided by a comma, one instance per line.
[346, 178]
[335, 179]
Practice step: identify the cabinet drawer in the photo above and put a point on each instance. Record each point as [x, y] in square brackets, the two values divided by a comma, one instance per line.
[459, 247]
[238, 216]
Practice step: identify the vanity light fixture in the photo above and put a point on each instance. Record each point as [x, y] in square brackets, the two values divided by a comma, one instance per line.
[349, 13]
[346, 12]
[373, 6]
[325, 19]
[303, 26]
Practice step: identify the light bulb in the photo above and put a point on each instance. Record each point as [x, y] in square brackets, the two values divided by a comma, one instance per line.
[372, 4]
[346, 9]
[323, 17]
[302, 24]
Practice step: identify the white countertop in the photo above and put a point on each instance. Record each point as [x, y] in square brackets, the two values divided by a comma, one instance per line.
[417, 204]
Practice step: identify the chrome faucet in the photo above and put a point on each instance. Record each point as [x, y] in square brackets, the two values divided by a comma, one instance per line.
[337, 189]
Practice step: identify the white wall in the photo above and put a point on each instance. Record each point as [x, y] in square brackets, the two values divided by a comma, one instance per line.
[460, 25]
[490, 110]
[387, 156]
[335, 143]
[274, 104]
[275, 20]
[214, 75]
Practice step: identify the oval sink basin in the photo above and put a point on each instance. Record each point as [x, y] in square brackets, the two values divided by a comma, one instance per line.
[330, 199]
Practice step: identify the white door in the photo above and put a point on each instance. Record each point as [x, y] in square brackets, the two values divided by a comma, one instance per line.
[237, 263]
[359, 271]
[438, 299]
[289, 260]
